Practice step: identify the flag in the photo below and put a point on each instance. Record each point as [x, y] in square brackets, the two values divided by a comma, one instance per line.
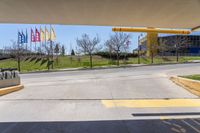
[42, 35]
[19, 38]
[47, 37]
[32, 36]
[37, 35]
[26, 37]
[23, 38]
[53, 35]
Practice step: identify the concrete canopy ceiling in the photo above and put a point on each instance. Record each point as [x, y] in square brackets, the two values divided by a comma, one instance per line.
[130, 13]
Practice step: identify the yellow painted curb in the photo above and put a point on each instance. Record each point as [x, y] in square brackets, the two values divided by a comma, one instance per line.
[7, 90]
[192, 86]
[157, 103]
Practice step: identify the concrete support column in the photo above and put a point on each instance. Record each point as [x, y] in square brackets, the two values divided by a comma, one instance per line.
[152, 44]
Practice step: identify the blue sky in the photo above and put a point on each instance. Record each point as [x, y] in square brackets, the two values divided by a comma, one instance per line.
[66, 34]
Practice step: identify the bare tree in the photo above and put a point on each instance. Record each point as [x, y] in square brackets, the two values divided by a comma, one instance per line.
[17, 50]
[88, 45]
[49, 50]
[63, 50]
[178, 44]
[163, 46]
[57, 51]
[109, 48]
[118, 42]
[78, 55]
[126, 49]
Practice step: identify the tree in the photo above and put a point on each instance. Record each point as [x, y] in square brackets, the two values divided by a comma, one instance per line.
[108, 46]
[63, 50]
[163, 46]
[49, 49]
[125, 49]
[118, 42]
[17, 51]
[179, 43]
[78, 53]
[57, 51]
[88, 45]
[72, 53]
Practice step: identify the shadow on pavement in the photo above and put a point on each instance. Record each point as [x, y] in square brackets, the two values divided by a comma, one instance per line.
[111, 126]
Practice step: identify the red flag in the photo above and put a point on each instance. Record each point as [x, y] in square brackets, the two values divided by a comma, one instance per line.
[32, 36]
[37, 35]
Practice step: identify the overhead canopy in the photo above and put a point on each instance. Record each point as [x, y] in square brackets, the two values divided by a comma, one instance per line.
[141, 13]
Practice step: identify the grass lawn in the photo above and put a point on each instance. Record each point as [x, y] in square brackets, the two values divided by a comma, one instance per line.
[194, 77]
[83, 62]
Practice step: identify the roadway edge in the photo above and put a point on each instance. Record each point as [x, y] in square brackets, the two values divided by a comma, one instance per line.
[192, 86]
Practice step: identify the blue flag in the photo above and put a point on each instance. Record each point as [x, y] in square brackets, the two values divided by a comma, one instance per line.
[26, 37]
[23, 38]
[19, 38]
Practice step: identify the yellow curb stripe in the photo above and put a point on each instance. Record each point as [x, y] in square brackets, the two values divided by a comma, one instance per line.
[192, 86]
[7, 90]
[151, 103]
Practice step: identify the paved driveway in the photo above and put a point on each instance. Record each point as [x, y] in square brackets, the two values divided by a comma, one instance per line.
[65, 102]
[128, 83]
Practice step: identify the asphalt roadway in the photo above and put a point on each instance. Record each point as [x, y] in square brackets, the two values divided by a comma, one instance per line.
[121, 100]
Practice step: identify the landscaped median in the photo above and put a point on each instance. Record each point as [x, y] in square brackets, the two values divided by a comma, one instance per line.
[190, 83]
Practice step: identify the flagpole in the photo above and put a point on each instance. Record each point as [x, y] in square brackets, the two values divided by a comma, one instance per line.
[51, 45]
[31, 42]
[46, 46]
[31, 46]
[26, 41]
[18, 51]
[40, 44]
[45, 38]
[35, 40]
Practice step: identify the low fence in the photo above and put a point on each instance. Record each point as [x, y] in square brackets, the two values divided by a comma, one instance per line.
[9, 77]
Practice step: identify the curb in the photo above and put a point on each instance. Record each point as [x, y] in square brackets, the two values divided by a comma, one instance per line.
[192, 86]
[84, 69]
[8, 90]
[106, 67]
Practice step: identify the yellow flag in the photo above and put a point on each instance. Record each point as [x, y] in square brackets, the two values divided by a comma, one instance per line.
[47, 37]
[53, 34]
[42, 35]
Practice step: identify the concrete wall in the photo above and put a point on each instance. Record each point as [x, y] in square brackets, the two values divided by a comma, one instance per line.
[9, 82]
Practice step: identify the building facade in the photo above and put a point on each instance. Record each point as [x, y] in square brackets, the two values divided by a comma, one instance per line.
[187, 44]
